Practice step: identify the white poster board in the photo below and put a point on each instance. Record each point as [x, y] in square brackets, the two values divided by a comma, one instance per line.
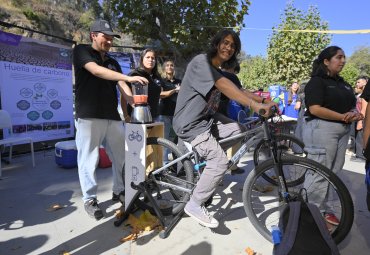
[137, 159]
[36, 87]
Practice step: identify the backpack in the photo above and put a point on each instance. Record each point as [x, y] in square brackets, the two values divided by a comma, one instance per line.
[304, 231]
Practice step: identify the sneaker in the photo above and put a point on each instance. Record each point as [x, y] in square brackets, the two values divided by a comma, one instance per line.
[120, 197]
[200, 214]
[93, 210]
[332, 219]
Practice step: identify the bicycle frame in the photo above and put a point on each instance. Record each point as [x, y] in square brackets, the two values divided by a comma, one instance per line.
[250, 138]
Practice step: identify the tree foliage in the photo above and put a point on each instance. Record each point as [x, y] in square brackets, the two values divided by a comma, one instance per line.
[182, 27]
[254, 73]
[350, 73]
[361, 60]
[290, 54]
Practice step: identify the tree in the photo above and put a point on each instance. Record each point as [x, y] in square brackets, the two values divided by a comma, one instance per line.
[183, 28]
[254, 73]
[290, 54]
[361, 59]
[350, 73]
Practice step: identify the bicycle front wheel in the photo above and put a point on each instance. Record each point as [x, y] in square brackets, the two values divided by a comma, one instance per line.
[167, 187]
[263, 202]
[286, 144]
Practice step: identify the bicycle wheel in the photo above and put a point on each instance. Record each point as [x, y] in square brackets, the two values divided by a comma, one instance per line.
[263, 202]
[287, 144]
[164, 186]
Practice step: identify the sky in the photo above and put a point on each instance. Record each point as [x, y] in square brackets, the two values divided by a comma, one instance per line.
[340, 15]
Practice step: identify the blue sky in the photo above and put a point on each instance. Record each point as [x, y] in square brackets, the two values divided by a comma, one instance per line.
[340, 14]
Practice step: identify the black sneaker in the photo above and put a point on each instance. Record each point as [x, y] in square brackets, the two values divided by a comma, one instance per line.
[120, 197]
[93, 210]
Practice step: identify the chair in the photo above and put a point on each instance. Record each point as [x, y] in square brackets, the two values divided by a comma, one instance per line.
[6, 125]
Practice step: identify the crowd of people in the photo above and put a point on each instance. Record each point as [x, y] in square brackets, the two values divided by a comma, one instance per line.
[324, 106]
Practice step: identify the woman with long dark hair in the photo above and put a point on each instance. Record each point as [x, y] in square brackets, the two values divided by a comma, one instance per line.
[148, 68]
[330, 103]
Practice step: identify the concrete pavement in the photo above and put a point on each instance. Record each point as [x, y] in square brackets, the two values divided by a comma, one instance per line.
[27, 227]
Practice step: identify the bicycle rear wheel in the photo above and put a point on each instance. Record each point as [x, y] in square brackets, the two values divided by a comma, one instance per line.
[166, 186]
[263, 202]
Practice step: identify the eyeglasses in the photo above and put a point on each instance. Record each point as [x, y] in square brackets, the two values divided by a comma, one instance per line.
[227, 43]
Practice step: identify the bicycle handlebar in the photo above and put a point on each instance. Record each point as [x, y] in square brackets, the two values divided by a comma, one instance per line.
[274, 110]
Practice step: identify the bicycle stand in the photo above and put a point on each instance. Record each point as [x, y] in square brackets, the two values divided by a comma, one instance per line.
[143, 188]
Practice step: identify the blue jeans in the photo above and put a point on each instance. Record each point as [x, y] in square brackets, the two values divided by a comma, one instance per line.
[326, 143]
[91, 133]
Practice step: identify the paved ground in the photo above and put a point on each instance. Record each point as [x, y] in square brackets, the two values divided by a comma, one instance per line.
[27, 227]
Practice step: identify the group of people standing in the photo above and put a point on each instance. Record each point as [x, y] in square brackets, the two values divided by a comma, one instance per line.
[193, 111]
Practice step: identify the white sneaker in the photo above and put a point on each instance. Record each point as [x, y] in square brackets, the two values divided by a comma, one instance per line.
[200, 214]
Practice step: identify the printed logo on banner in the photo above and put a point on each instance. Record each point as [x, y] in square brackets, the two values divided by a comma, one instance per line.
[39, 87]
[33, 115]
[52, 93]
[26, 92]
[47, 115]
[23, 105]
[55, 104]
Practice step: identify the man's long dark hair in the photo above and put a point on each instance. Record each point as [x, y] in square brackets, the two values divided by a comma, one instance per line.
[217, 39]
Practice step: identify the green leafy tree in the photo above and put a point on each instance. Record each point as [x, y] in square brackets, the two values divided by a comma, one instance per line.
[183, 28]
[254, 73]
[350, 73]
[361, 59]
[290, 54]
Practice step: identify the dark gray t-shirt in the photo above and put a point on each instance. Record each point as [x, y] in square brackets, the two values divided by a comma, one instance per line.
[197, 100]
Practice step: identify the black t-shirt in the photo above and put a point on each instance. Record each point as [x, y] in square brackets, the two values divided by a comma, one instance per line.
[366, 93]
[167, 105]
[154, 90]
[198, 99]
[332, 93]
[94, 97]
[222, 108]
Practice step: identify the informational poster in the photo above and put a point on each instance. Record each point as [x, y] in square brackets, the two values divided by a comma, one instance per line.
[36, 87]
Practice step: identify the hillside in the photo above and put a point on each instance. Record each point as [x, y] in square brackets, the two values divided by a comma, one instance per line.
[68, 19]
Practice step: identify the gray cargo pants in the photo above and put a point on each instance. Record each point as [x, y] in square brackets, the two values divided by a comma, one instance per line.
[325, 143]
[208, 147]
